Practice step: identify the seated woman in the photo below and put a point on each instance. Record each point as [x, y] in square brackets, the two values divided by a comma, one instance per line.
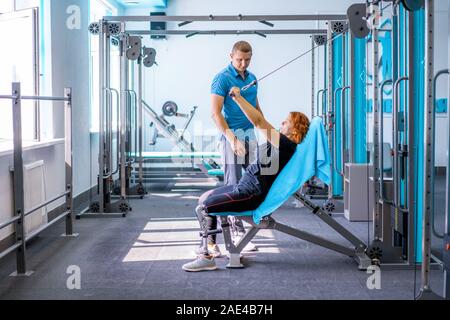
[255, 183]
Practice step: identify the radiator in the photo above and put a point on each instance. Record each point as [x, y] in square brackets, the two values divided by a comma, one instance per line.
[34, 194]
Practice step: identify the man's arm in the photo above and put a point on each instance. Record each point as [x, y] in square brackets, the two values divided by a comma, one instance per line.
[216, 113]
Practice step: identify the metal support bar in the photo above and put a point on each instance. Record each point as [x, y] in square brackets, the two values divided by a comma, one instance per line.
[305, 17]
[18, 180]
[425, 291]
[13, 248]
[40, 98]
[101, 154]
[332, 223]
[45, 203]
[33, 234]
[314, 239]
[68, 116]
[9, 222]
[141, 121]
[330, 118]
[222, 32]
[377, 231]
[123, 107]
[35, 98]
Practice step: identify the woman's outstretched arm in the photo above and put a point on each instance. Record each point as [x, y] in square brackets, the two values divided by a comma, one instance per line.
[256, 117]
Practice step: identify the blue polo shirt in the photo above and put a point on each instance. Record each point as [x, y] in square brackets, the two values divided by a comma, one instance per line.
[236, 119]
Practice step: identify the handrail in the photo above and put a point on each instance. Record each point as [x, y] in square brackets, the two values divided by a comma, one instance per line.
[45, 226]
[324, 111]
[132, 93]
[381, 138]
[35, 98]
[321, 91]
[106, 175]
[11, 221]
[343, 128]
[46, 203]
[395, 139]
[432, 148]
[117, 131]
[335, 131]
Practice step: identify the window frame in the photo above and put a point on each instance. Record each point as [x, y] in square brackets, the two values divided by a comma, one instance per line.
[32, 13]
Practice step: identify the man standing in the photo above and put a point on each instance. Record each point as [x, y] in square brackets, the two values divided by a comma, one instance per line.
[238, 140]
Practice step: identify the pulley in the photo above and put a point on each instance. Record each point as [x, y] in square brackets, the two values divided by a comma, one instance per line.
[170, 109]
[356, 15]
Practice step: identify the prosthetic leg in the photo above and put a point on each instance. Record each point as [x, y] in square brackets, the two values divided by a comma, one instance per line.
[204, 233]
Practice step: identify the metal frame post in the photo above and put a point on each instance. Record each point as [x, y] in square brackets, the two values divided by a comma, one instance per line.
[68, 160]
[426, 291]
[377, 230]
[107, 147]
[19, 206]
[101, 155]
[141, 110]
[123, 112]
[330, 122]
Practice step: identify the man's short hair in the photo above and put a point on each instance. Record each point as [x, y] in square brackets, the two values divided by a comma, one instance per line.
[242, 46]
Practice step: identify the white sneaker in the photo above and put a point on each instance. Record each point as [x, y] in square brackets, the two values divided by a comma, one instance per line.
[202, 263]
[248, 247]
[213, 250]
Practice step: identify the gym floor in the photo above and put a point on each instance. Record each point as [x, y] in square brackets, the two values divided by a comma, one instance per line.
[140, 257]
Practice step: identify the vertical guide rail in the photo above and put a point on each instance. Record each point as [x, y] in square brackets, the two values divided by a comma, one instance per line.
[447, 220]
[313, 79]
[330, 122]
[123, 112]
[425, 290]
[101, 155]
[140, 110]
[68, 160]
[352, 104]
[19, 209]
[377, 232]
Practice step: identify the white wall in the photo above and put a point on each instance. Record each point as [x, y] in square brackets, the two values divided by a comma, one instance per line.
[66, 65]
[53, 157]
[186, 66]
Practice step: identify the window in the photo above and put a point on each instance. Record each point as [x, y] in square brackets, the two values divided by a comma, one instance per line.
[19, 63]
[99, 9]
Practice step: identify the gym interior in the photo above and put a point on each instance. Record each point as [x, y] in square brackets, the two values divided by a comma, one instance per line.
[112, 115]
